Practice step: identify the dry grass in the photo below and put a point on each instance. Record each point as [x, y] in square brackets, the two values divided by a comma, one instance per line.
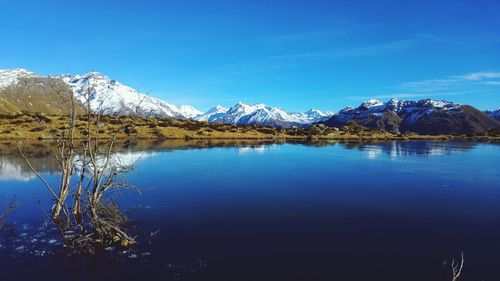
[31, 126]
[38, 126]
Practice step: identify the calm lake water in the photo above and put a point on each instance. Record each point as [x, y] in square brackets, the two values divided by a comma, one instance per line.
[330, 211]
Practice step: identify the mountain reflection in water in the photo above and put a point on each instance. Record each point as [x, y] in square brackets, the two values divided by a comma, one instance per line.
[13, 167]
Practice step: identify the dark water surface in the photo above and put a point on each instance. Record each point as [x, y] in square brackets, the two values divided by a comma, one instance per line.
[388, 211]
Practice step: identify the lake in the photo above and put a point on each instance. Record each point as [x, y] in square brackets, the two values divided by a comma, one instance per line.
[276, 211]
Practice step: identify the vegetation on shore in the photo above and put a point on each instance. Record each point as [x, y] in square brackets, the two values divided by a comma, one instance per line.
[33, 126]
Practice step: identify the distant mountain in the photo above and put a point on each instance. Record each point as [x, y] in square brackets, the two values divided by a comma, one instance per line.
[188, 111]
[212, 114]
[111, 97]
[423, 117]
[21, 90]
[261, 114]
[495, 114]
[106, 95]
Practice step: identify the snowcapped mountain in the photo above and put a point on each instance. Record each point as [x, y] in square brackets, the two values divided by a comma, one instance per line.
[495, 114]
[105, 95]
[10, 77]
[412, 110]
[260, 114]
[189, 111]
[424, 116]
[111, 97]
[212, 114]
[318, 115]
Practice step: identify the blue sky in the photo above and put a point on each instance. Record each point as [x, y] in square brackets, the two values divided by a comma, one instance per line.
[292, 54]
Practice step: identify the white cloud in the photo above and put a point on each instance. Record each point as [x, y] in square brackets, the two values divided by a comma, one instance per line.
[466, 84]
[471, 84]
[477, 76]
[495, 83]
[432, 82]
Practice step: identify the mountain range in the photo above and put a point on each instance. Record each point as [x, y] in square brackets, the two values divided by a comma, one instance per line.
[424, 117]
[261, 114]
[110, 97]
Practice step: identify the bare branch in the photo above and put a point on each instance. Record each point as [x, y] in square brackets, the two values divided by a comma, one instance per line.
[47, 185]
[457, 267]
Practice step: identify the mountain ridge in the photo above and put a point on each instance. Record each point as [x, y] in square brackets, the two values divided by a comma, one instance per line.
[110, 97]
[425, 116]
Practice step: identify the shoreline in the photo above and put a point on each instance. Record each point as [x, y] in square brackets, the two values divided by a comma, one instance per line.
[288, 138]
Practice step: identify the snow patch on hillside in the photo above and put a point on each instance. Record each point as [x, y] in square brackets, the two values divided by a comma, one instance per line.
[11, 76]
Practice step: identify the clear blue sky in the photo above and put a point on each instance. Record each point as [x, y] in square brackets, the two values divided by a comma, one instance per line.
[292, 54]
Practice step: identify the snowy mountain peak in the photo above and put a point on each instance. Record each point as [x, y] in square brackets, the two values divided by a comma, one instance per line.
[261, 114]
[219, 108]
[319, 113]
[189, 111]
[212, 114]
[371, 103]
[109, 96]
[423, 116]
[439, 103]
[246, 106]
[313, 111]
[241, 109]
[11, 76]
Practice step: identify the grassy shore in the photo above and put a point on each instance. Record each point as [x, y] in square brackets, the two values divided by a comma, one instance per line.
[39, 127]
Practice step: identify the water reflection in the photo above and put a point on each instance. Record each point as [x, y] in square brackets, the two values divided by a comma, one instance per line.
[10, 170]
[13, 167]
[414, 148]
[253, 149]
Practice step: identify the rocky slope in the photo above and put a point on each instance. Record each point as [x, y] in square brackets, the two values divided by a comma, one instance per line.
[23, 91]
[423, 117]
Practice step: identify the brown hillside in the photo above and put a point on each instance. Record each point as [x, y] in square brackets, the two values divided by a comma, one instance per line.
[35, 95]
